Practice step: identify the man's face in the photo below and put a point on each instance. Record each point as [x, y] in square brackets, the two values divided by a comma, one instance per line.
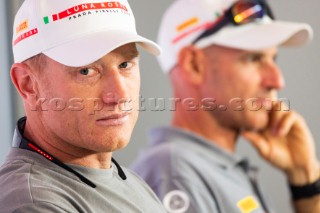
[242, 81]
[91, 107]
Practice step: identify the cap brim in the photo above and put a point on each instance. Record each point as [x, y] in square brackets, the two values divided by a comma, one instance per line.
[90, 48]
[259, 36]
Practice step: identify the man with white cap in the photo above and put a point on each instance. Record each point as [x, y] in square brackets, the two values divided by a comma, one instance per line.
[220, 57]
[77, 71]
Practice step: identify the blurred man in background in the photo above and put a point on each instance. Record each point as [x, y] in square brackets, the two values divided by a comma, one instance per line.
[220, 56]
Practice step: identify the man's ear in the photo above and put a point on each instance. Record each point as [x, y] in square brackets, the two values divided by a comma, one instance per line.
[24, 81]
[191, 62]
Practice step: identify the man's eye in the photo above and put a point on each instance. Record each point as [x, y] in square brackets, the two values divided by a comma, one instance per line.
[86, 75]
[124, 65]
[254, 58]
[87, 71]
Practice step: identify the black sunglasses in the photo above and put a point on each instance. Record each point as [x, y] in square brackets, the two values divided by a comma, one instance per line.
[241, 12]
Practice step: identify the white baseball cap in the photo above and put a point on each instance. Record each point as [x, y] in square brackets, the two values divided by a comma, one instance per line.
[75, 32]
[185, 20]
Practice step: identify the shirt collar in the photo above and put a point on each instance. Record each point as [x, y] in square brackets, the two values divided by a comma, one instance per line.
[18, 132]
[171, 134]
[19, 141]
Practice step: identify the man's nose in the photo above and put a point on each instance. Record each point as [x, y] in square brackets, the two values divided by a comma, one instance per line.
[272, 77]
[115, 90]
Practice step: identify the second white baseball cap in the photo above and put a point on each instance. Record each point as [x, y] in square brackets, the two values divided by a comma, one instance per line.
[185, 20]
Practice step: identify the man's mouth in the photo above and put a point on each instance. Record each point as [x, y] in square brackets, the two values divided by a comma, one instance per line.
[113, 119]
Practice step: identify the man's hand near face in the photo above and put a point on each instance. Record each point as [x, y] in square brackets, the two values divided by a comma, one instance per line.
[287, 144]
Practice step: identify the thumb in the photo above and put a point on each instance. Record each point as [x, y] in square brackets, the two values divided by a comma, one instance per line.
[258, 141]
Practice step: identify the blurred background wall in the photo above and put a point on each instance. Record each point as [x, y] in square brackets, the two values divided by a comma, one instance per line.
[10, 105]
[300, 68]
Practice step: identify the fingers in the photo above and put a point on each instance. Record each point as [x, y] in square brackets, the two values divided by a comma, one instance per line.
[281, 121]
[275, 117]
[258, 141]
[286, 123]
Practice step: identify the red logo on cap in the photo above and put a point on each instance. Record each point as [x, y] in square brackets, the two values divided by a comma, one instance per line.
[26, 35]
[85, 7]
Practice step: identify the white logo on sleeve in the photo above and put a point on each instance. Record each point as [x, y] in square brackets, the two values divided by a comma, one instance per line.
[176, 201]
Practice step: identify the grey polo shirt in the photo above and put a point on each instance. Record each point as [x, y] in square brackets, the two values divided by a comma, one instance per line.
[191, 174]
[30, 183]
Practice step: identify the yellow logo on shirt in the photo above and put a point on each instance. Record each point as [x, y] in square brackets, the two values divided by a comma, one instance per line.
[248, 204]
